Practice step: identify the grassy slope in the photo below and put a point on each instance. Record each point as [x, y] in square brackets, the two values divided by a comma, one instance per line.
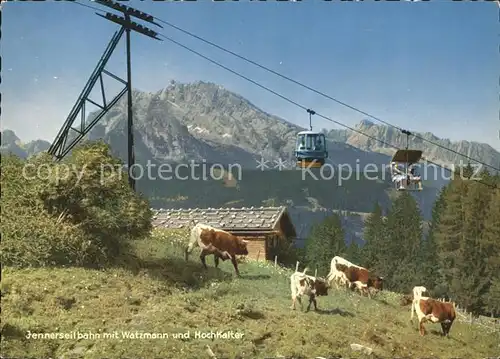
[167, 294]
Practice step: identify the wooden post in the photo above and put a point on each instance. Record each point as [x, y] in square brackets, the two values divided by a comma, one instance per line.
[258, 255]
[275, 261]
[470, 317]
[297, 266]
[316, 272]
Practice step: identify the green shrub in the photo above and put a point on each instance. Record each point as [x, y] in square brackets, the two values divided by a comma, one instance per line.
[70, 213]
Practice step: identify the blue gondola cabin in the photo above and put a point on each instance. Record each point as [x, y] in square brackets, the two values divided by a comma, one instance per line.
[310, 148]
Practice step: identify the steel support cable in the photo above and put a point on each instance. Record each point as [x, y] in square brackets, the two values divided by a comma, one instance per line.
[294, 102]
[85, 5]
[318, 92]
[250, 80]
[271, 91]
[288, 99]
[310, 89]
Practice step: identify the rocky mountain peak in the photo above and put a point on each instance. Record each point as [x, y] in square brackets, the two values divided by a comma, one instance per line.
[9, 138]
[203, 120]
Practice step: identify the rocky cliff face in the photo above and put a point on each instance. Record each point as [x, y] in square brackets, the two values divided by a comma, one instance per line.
[481, 151]
[10, 143]
[204, 121]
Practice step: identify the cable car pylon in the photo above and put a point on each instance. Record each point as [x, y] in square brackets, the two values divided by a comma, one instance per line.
[69, 136]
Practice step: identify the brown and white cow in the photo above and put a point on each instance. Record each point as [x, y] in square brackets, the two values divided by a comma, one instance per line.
[418, 292]
[302, 284]
[432, 310]
[336, 276]
[354, 275]
[214, 241]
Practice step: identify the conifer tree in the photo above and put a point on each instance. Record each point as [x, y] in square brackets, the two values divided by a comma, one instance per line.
[325, 241]
[374, 233]
[464, 172]
[430, 262]
[491, 298]
[460, 238]
[401, 259]
[449, 231]
[491, 246]
[477, 206]
[353, 252]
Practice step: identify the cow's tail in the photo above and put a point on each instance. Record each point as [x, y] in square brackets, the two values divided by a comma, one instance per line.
[193, 240]
[330, 275]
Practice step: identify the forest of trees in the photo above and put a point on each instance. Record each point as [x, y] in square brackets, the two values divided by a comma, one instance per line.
[458, 257]
[90, 220]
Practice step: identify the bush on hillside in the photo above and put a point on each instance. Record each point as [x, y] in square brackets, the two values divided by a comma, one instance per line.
[69, 213]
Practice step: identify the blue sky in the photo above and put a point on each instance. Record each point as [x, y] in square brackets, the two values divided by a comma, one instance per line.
[423, 66]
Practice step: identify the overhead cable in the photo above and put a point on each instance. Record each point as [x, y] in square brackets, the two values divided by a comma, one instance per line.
[290, 100]
[319, 92]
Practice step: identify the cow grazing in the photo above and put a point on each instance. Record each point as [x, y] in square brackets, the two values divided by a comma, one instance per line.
[221, 244]
[356, 276]
[302, 284]
[428, 309]
[337, 276]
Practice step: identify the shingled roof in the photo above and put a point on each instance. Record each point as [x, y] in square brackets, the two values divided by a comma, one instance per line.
[245, 219]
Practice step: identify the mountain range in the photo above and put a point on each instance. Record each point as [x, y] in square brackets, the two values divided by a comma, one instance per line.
[205, 122]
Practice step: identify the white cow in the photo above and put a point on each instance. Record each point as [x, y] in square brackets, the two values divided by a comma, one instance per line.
[302, 284]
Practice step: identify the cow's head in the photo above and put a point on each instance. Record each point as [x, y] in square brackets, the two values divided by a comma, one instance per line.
[376, 282]
[321, 287]
[241, 246]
